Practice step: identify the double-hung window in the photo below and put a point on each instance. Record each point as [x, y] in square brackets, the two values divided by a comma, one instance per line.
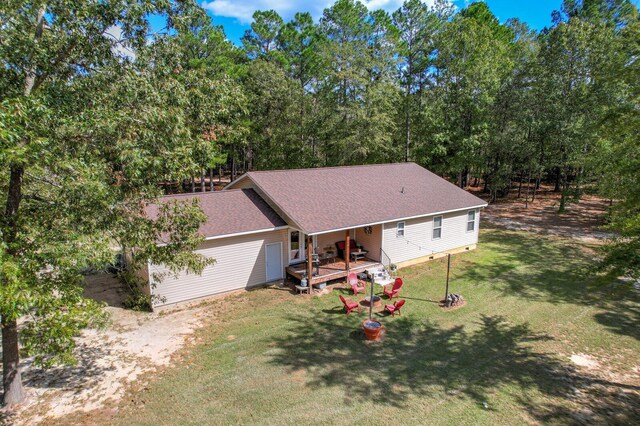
[437, 227]
[400, 230]
[471, 221]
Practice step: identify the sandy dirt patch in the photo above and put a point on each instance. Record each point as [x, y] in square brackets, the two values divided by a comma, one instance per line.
[583, 220]
[583, 360]
[135, 343]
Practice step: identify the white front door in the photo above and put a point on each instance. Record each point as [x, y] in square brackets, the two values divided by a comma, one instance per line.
[274, 261]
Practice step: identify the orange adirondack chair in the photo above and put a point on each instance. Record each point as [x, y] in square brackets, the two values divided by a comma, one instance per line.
[354, 282]
[349, 304]
[395, 290]
[392, 309]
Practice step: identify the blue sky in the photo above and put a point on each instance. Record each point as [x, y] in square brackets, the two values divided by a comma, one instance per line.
[235, 15]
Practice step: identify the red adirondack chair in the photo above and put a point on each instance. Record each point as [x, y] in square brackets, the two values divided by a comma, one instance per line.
[392, 309]
[395, 290]
[349, 304]
[354, 282]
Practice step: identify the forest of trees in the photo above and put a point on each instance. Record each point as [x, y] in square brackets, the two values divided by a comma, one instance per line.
[94, 125]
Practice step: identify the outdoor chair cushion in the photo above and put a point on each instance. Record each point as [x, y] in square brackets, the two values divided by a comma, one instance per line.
[340, 245]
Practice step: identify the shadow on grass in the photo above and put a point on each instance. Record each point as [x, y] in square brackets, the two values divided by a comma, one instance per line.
[622, 317]
[535, 268]
[417, 358]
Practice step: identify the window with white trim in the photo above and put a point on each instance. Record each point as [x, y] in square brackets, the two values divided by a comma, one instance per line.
[400, 230]
[437, 227]
[471, 221]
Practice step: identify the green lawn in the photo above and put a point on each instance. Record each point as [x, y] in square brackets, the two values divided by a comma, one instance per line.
[504, 358]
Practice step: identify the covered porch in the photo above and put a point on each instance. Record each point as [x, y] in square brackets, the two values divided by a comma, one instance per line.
[330, 271]
[324, 253]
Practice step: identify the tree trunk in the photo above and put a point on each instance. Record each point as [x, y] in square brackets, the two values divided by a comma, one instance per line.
[535, 188]
[211, 179]
[407, 124]
[563, 195]
[526, 198]
[520, 187]
[558, 177]
[202, 183]
[233, 164]
[11, 379]
[30, 74]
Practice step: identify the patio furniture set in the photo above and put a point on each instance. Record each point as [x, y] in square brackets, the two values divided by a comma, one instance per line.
[356, 252]
[326, 259]
[390, 288]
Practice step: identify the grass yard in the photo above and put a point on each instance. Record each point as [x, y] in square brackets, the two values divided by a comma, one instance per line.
[504, 358]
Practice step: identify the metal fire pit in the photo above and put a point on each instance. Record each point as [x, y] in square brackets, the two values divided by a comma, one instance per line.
[377, 301]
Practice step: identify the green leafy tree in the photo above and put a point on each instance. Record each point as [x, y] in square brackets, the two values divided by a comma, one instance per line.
[616, 157]
[470, 65]
[416, 26]
[84, 139]
[261, 40]
[357, 48]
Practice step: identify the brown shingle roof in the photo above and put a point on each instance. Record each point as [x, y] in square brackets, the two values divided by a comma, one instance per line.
[329, 198]
[229, 212]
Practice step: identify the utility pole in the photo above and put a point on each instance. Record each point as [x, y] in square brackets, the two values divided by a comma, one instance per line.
[448, 269]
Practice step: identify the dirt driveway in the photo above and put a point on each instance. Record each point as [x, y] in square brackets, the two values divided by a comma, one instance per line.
[135, 343]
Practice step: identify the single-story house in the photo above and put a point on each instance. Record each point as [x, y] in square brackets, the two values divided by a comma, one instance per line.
[323, 223]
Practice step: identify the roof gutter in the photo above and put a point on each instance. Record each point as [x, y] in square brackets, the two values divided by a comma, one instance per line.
[398, 219]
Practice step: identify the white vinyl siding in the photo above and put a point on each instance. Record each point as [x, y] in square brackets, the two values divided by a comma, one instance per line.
[240, 263]
[418, 241]
[371, 242]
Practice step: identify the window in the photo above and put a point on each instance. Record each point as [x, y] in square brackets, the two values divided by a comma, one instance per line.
[437, 227]
[400, 230]
[471, 221]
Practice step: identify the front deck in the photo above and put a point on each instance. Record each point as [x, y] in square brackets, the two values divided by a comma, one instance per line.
[330, 271]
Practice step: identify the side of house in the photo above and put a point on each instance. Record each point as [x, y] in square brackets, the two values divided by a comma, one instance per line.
[426, 238]
[262, 224]
[242, 261]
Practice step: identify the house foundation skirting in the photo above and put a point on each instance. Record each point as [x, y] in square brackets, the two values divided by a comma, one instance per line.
[435, 256]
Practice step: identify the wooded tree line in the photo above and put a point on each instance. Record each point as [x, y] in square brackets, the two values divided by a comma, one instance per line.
[100, 115]
[455, 91]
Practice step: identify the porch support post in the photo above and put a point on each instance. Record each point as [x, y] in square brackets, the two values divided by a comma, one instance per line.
[310, 263]
[347, 253]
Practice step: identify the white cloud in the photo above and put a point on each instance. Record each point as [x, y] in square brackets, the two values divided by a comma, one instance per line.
[242, 10]
[119, 46]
